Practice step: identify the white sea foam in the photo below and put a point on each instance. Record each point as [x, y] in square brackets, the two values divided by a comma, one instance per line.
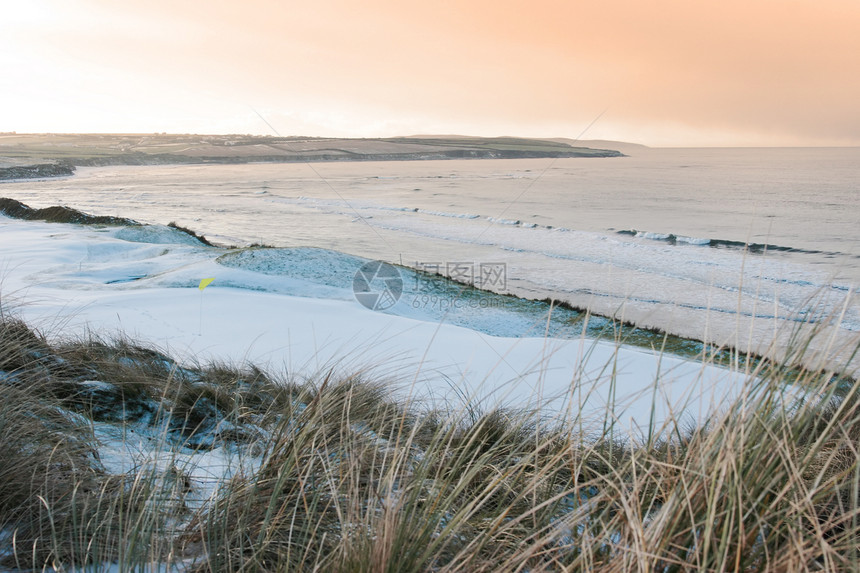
[451, 215]
[653, 236]
[406, 209]
[503, 221]
[692, 240]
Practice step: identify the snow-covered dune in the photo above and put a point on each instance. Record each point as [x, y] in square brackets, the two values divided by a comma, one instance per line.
[295, 311]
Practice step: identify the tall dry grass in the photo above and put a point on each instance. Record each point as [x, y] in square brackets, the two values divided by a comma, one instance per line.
[347, 479]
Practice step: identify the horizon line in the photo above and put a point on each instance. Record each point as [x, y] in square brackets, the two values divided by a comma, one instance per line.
[440, 135]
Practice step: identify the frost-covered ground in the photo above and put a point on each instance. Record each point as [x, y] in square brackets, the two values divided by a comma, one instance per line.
[293, 310]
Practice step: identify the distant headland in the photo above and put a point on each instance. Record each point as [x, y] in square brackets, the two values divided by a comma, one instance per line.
[25, 156]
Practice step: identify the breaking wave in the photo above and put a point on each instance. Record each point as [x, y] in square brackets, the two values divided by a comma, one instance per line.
[674, 239]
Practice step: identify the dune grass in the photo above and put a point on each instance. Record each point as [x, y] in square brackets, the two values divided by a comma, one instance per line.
[332, 474]
[57, 214]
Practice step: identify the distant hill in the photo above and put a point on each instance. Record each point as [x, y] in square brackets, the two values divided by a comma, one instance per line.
[605, 144]
[622, 146]
[152, 149]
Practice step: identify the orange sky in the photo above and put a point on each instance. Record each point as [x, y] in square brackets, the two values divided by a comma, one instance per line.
[665, 72]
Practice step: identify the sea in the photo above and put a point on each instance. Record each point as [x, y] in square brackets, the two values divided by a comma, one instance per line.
[738, 246]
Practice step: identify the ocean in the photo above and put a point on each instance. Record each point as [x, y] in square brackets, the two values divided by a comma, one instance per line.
[735, 246]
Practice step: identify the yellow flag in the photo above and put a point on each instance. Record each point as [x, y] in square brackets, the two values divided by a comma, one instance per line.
[205, 283]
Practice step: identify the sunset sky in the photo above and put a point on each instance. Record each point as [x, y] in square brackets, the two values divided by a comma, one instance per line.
[661, 72]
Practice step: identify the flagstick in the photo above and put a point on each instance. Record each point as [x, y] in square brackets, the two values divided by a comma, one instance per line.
[203, 284]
